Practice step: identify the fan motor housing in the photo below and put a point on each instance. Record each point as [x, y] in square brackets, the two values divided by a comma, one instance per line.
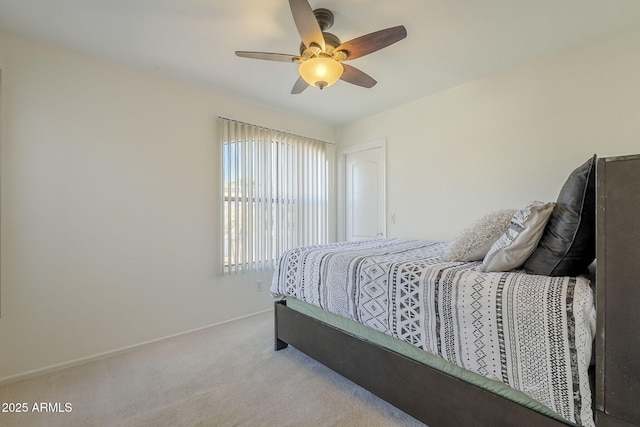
[325, 20]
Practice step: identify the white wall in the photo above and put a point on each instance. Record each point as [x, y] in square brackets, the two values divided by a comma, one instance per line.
[110, 205]
[506, 139]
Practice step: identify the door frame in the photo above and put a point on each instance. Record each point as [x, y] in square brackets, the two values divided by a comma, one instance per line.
[342, 182]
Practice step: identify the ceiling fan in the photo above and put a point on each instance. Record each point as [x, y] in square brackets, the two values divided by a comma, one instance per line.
[322, 54]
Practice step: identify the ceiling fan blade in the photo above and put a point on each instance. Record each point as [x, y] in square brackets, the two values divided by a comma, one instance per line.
[306, 22]
[354, 76]
[299, 86]
[280, 57]
[372, 42]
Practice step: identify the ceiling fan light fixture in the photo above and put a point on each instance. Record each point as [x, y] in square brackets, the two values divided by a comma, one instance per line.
[322, 53]
[321, 72]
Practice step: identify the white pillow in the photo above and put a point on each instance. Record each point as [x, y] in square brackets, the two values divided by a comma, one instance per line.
[513, 248]
[474, 242]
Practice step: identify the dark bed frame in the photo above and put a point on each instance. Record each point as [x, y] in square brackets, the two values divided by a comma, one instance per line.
[438, 399]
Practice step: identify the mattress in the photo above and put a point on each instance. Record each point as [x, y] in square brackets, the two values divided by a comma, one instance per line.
[531, 333]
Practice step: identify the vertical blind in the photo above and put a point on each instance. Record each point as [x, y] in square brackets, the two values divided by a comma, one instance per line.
[275, 194]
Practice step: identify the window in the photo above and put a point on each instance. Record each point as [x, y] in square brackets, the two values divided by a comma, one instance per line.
[275, 194]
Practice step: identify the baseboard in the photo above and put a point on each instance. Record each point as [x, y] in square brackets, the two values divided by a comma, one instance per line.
[80, 361]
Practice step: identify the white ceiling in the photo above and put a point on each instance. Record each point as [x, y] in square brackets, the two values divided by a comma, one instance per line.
[449, 42]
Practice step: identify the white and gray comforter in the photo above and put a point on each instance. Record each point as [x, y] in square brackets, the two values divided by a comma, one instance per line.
[533, 333]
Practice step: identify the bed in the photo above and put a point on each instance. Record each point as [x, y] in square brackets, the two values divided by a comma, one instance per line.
[511, 330]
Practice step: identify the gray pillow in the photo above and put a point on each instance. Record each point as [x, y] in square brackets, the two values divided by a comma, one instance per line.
[568, 244]
[513, 248]
[474, 242]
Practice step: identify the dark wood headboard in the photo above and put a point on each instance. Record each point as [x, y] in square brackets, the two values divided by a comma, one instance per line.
[617, 391]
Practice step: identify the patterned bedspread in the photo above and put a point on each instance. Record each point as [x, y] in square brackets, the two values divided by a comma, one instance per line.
[533, 333]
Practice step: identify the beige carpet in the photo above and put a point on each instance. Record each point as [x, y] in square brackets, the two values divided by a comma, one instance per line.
[226, 375]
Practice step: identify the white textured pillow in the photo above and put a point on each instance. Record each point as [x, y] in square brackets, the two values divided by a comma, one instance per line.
[474, 242]
[513, 248]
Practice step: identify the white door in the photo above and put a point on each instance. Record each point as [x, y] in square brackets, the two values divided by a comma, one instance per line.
[365, 210]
